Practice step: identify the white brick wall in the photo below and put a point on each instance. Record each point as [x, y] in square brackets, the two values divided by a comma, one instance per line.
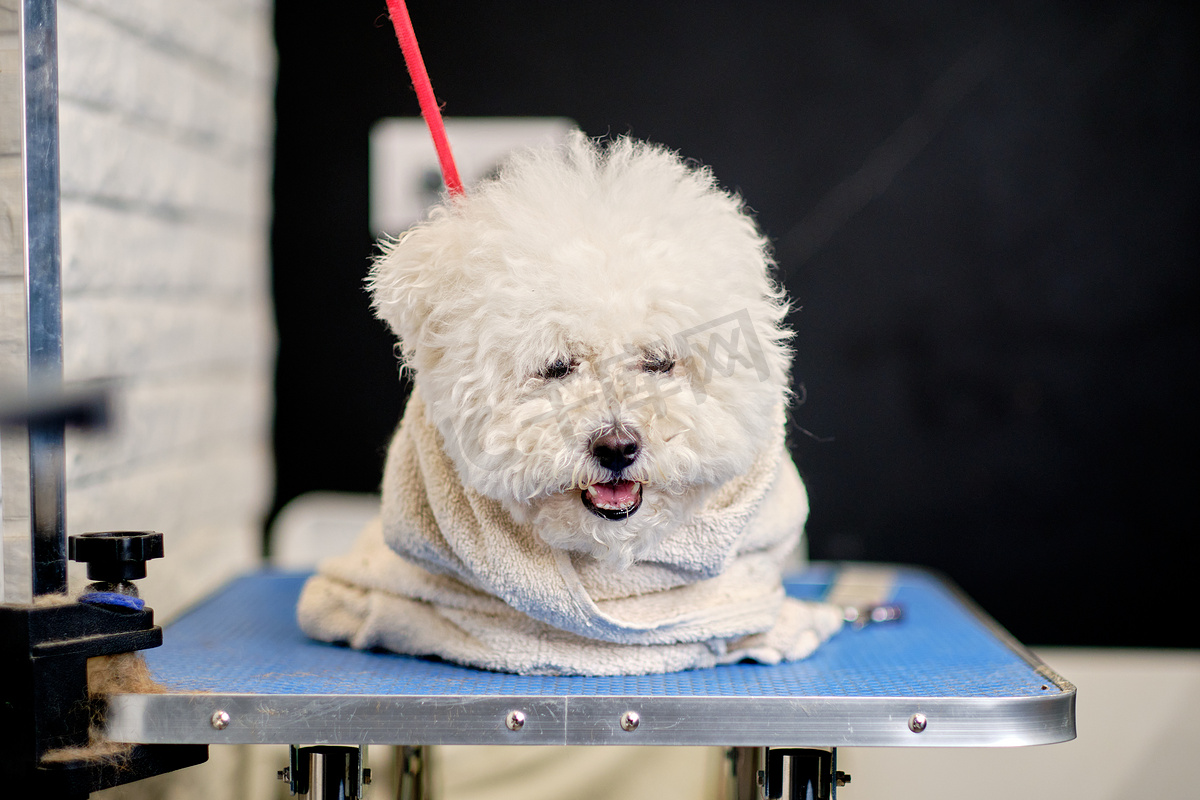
[165, 131]
[14, 465]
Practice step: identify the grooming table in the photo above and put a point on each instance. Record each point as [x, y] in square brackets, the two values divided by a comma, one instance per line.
[239, 671]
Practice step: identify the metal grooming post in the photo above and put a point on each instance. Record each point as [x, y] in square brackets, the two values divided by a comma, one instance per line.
[43, 290]
[46, 745]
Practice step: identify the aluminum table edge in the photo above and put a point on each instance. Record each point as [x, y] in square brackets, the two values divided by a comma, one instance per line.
[212, 718]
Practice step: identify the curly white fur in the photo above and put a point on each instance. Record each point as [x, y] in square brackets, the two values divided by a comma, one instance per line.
[588, 289]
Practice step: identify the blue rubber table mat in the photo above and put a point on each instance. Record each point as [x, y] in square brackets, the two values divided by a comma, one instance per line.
[238, 670]
[245, 639]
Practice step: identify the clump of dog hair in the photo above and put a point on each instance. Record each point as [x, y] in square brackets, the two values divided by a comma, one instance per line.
[123, 673]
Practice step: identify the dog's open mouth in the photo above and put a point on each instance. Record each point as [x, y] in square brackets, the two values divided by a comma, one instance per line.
[615, 500]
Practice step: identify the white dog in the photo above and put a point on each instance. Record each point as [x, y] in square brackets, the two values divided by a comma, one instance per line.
[591, 475]
[598, 339]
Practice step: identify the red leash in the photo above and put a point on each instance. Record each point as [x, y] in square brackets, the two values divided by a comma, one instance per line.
[429, 107]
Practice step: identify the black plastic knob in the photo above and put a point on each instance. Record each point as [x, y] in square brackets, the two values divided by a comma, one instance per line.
[116, 556]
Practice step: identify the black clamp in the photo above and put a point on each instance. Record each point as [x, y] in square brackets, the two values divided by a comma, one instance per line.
[114, 560]
[47, 710]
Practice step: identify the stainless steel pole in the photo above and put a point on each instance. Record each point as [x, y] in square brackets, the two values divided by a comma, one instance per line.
[43, 290]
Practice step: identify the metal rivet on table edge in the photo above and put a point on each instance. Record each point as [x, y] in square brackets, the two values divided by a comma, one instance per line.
[630, 720]
[219, 720]
[917, 722]
[515, 720]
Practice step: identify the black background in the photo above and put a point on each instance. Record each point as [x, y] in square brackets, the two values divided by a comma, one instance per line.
[985, 214]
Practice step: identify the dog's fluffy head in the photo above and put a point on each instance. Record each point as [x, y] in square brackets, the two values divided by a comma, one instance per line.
[597, 337]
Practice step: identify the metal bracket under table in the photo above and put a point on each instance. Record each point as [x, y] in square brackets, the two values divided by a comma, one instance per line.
[239, 671]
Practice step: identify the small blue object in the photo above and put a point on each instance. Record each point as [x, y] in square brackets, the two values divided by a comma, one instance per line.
[113, 599]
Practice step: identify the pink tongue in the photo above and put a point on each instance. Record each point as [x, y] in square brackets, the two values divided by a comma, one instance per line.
[617, 493]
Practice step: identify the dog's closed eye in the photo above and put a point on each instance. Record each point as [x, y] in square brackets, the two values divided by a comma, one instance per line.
[657, 362]
[559, 368]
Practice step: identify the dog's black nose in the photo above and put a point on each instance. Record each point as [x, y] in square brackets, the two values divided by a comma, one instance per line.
[615, 450]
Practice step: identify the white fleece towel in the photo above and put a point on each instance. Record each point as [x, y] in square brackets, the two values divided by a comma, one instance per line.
[447, 572]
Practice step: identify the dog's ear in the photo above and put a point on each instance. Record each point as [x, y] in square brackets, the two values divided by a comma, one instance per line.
[406, 280]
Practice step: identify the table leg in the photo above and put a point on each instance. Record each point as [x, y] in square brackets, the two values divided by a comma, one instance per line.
[786, 773]
[413, 773]
[327, 772]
